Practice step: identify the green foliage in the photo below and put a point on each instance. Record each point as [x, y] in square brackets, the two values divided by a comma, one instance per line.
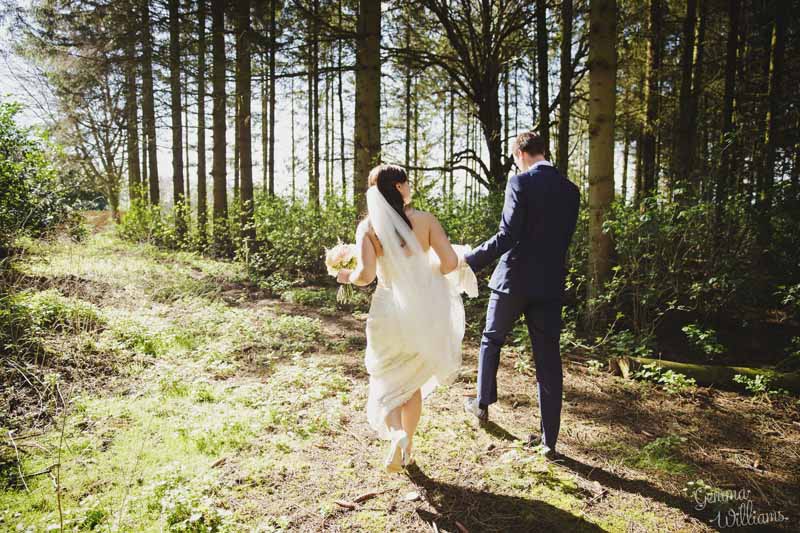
[32, 199]
[147, 223]
[673, 382]
[627, 344]
[760, 385]
[292, 237]
[27, 317]
[789, 296]
[661, 454]
[792, 361]
[673, 256]
[704, 340]
[188, 506]
[311, 297]
[292, 333]
[594, 365]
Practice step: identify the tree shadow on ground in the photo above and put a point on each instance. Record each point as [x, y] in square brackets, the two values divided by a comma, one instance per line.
[487, 512]
[646, 489]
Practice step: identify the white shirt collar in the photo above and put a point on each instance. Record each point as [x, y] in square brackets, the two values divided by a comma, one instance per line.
[542, 162]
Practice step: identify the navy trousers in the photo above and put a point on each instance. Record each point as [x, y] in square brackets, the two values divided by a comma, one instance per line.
[544, 326]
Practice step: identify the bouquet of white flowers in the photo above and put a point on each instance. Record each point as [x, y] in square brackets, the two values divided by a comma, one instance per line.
[340, 257]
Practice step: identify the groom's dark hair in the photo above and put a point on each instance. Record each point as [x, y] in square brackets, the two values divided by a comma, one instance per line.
[529, 142]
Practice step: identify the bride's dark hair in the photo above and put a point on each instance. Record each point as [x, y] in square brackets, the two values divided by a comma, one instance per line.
[386, 177]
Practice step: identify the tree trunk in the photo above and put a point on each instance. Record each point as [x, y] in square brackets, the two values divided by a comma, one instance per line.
[236, 133]
[506, 108]
[144, 159]
[328, 180]
[218, 168]
[132, 124]
[490, 121]
[626, 150]
[445, 159]
[148, 104]
[178, 198]
[452, 142]
[202, 199]
[771, 140]
[339, 90]
[244, 98]
[723, 177]
[294, 155]
[416, 138]
[407, 100]
[566, 82]
[795, 194]
[680, 161]
[186, 164]
[264, 122]
[315, 93]
[602, 87]
[541, 59]
[654, 52]
[273, 42]
[697, 88]
[367, 134]
[313, 179]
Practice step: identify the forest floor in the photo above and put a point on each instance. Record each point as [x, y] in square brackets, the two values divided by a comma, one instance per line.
[196, 402]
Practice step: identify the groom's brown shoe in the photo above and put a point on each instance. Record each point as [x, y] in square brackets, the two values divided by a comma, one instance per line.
[471, 406]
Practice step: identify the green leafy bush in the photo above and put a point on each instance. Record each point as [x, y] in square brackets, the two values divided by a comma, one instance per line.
[292, 237]
[673, 382]
[27, 317]
[760, 385]
[673, 256]
[704, 340]
[32, 199]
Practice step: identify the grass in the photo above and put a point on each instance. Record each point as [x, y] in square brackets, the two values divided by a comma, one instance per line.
[210, 412]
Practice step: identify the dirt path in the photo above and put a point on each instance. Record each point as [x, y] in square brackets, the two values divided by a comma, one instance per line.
[229, 411]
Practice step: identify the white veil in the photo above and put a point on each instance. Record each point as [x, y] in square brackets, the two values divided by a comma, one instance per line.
[429, 312]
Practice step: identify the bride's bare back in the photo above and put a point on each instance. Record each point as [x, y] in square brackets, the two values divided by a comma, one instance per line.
[429, 233]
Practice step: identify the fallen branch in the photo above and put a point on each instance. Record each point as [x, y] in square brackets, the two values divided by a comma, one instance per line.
[346, 504]
[354, 504]
[722, 376]
[43, 471]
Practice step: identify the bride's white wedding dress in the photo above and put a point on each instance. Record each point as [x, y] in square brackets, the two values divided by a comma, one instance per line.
[416, 320]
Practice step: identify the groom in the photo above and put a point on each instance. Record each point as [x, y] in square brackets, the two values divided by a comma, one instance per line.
[538, 220]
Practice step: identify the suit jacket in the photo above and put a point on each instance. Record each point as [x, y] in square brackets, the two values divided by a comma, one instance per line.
[539, 217]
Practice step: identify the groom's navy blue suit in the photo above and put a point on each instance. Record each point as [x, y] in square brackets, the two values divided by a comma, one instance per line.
[539, 218]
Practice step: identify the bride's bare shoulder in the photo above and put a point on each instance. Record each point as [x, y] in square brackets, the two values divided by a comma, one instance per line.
[421, 216]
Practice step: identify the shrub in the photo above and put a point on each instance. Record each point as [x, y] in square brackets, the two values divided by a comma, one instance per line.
[760, 385]
[676, 257]
[673, 382]
[292, 236]
[703, 339]
[26, 317]
[32, 199]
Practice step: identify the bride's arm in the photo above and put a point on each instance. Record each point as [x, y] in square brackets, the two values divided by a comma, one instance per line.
[364, 273]
[441, 245]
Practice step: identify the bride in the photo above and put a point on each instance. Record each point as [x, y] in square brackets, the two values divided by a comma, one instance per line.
[416, 320]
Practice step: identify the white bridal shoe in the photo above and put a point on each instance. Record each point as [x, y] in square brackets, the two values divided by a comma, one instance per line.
[396, 458]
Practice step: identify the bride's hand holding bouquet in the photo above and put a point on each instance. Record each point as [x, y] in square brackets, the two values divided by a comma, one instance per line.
[340, 262]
